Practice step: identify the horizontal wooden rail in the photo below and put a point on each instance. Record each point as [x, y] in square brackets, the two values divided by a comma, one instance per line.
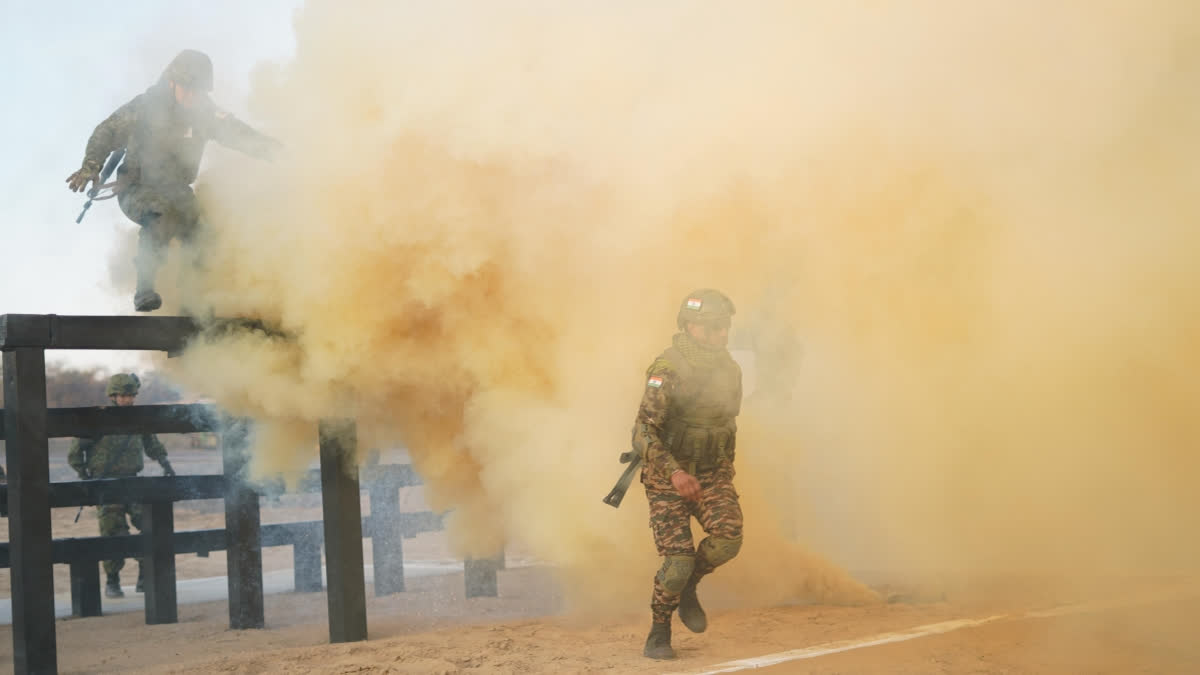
[133, 333]
[137, 419]
[79, 549]
[145, 489]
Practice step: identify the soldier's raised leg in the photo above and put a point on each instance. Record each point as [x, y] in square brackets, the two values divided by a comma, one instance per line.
[720, 515]
[163, 214]
[670, 520]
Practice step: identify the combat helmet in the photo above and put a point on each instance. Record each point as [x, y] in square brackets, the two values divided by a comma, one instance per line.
[192, 69]
[703, 306]
[126, 384]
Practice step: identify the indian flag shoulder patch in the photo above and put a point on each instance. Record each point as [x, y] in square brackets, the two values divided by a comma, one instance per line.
[694, 304]
[654, 381]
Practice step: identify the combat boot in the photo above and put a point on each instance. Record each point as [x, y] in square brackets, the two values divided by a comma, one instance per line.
[658, 642]
[690, 612]
[146, 300]
[113, 588]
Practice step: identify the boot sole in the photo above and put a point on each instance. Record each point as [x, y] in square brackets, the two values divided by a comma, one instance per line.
[148, 305]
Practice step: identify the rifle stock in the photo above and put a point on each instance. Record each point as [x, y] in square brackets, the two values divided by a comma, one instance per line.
[617, 494]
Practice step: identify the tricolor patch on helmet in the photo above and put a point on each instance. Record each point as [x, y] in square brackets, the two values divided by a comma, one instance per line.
[694, 303]
[655, 381]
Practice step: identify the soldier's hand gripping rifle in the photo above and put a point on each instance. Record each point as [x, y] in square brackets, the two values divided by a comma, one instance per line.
[634, 459]
[110, 165]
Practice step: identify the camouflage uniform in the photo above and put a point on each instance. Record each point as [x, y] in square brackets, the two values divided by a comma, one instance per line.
[163, 144]
[117, 457]
[686, 422]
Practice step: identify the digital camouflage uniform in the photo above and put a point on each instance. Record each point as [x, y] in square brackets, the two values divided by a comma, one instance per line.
[117, 457]
[164, 143]
[686, 421]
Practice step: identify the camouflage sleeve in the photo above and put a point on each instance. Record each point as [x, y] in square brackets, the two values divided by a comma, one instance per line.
[661, 382]
[112, 134]
[154, 448]
[77, 456]
[234, 133]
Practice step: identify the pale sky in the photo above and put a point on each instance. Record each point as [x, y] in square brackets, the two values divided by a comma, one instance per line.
[66, 66]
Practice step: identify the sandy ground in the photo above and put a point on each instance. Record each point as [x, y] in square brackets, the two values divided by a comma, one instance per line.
[1139, 626]
[432, 628]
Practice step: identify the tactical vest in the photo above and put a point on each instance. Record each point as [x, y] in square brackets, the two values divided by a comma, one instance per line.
[701, 429]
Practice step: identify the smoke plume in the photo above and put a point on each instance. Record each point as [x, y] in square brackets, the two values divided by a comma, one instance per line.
[973, 221]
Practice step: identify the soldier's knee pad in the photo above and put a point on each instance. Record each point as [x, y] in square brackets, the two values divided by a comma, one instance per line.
[676, 571]
[718, 550]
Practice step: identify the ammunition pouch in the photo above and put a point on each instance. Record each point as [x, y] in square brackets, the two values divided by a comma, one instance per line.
[701, 445]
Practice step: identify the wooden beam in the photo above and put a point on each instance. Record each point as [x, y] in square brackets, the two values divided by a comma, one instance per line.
[158, 564]
[480, 576]
[136, 419]
[139, 419]
[32, 573]
[24, 330]
[66, 551]
[129, 490]
[345, 582]
[85, 588]
[243, 531]
[306, 564]
[132, 333]
[387, 540]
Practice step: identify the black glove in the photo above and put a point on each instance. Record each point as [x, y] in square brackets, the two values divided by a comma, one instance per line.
[166, 465]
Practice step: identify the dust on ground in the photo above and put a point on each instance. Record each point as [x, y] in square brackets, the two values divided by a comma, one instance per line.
[433, 628]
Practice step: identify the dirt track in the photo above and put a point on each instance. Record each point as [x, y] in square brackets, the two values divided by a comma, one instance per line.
[432, 628]
[1134, 626]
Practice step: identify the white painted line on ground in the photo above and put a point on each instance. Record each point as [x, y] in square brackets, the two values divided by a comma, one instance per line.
[936, 629]
[846, 645]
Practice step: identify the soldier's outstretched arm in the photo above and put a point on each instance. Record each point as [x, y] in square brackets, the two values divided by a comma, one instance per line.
[111, 134]
[234, 133]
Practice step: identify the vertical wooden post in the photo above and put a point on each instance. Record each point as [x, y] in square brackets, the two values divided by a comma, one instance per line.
[306, 562]
[32, 573]
[346, 587]
[243, 543]
[85, 588]
[387, 543]
[159, 563]
[480, 576]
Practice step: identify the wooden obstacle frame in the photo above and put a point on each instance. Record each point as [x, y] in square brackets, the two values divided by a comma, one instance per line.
[27, 424]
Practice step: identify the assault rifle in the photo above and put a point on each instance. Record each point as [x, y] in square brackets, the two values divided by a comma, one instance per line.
[634, 460]
[110, 165]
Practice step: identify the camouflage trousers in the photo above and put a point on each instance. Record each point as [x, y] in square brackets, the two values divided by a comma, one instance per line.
[719, 515]
[164, 213]
[112, 522]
